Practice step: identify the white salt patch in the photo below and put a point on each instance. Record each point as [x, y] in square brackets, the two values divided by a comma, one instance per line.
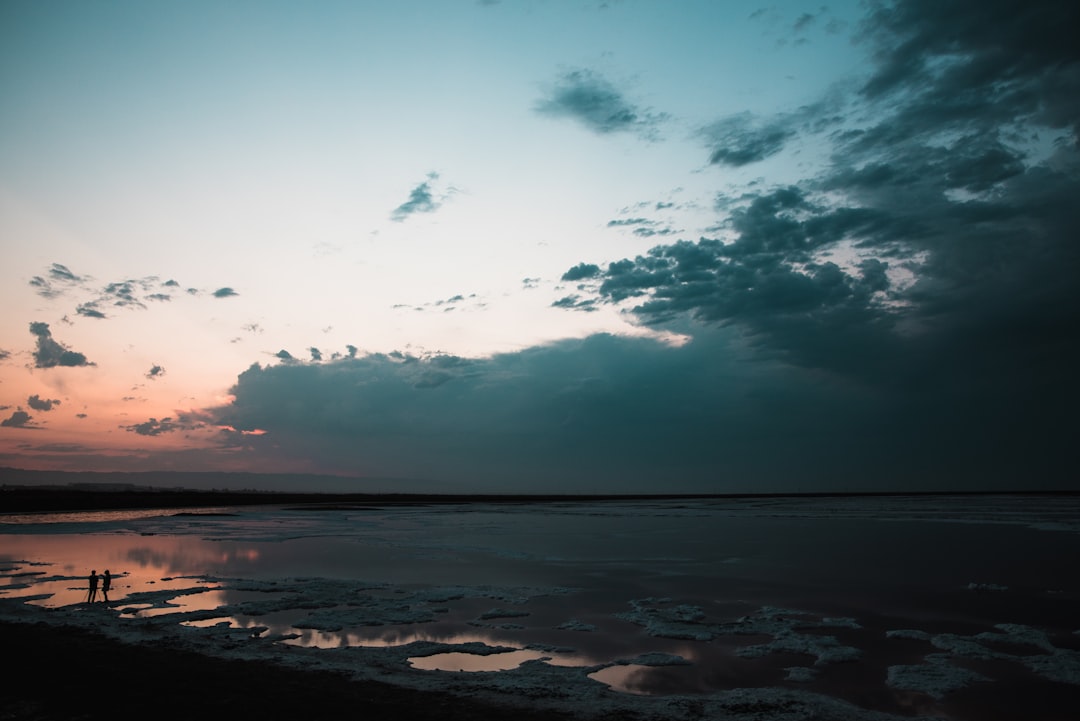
[908, 633]
[800, 674]
[986, 587]
[502, 613]
[655, 659]
[825, 648]
[1063, 666]
[936, 678]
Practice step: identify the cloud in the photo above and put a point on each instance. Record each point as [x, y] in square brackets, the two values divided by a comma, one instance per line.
[155, 372]
[593, 101]
[1006, 62]
[88, 310]
[38, 403]
[581, 271]
[4, 354]
[931, 262]
[56, 281]
[129, 293]
[154, 427]
[620, 414]
[576, 302]
[422, 199]
[741, 139]
[50, 353]
[19, 419]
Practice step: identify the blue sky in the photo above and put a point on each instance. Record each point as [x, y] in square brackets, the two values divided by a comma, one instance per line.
[644, 246]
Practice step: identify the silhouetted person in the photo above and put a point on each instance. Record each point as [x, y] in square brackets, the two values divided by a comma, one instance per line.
[106, 581]
[93, 587]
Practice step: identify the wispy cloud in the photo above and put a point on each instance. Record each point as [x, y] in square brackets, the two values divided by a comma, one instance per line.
[56, 281]
[424, 198]
[588, 98]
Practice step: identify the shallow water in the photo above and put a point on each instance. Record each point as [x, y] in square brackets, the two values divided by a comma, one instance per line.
[871, 600]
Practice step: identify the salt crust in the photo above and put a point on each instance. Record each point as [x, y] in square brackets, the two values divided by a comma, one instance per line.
[535, 683]
[939, 675]
[661, 617]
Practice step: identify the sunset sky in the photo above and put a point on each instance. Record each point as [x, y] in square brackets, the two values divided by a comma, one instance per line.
[528, 245]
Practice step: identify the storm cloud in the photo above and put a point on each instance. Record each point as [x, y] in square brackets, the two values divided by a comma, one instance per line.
[620, 414]
[934, 260]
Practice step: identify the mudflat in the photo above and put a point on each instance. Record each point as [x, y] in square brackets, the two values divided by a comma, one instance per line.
[63, 672]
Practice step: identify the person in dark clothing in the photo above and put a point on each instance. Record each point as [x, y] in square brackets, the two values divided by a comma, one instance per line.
[106, 582]
[92, 594]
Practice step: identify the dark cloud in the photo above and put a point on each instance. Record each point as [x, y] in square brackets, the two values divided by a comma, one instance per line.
[155, 372]
[124, 294]
[56, 281]
[742, 139]
[582, 271]
[977, 64]
[316, 354]
[88, 310]
[19, 419]
[38, 403]
[593, 101]
[642, 227]
[4, 354]
[154, 427]
[611, 413]
[285, 356]
[50, 353]
[576, 302]
[932, 264]
[422, 199]
[225, 293]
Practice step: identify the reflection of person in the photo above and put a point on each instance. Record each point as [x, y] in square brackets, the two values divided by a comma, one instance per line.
[106, 581]
[93, 587]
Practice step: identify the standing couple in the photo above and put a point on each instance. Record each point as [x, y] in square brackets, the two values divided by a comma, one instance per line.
[106, 583]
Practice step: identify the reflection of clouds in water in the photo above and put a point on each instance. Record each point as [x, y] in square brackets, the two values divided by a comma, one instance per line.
[187, 557]
[598, 585]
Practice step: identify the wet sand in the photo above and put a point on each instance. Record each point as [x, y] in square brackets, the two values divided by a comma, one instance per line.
[59, 672]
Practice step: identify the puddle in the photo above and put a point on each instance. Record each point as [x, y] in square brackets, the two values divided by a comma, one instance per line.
[457, 661]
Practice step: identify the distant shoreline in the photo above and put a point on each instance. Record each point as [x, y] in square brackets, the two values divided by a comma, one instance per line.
[80, 497]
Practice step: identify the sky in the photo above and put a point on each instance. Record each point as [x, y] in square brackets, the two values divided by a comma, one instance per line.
[544, 246]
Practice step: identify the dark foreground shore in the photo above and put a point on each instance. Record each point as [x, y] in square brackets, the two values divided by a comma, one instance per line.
[56, 672]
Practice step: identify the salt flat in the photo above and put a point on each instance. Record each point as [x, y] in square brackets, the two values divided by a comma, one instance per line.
[849, 607]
